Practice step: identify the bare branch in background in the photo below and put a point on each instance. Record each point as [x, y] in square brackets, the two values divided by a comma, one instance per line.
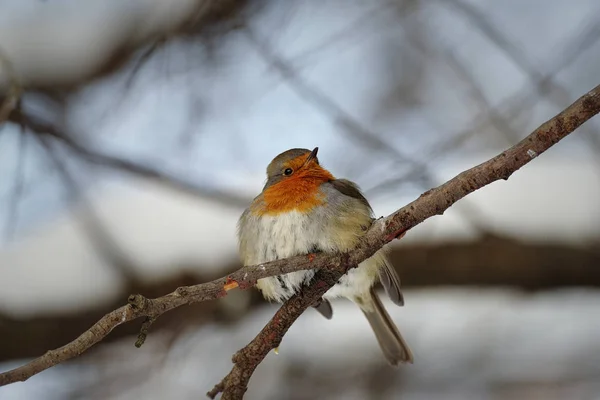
[545, 86]
[137, 64]
[487, 27]
[127, 166]
[10, 100]
[497, 120]
[107, 247]
[116, 41]
[17, 192]
[343, 34]
[331, 266]
[324, 104]
[140, 61]
[514, 106]
[136, 40]
[9, 103]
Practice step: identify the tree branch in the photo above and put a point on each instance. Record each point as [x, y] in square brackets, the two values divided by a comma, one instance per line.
[331, 266]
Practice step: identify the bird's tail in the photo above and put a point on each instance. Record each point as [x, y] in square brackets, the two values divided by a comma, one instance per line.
[390, 340]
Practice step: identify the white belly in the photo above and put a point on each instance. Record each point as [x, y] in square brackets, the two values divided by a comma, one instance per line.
[293, 234]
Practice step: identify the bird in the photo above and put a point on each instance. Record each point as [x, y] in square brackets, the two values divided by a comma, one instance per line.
[304, 209]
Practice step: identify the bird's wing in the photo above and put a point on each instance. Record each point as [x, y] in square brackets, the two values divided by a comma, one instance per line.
[350, 189]
[387, 275]
[391, 283]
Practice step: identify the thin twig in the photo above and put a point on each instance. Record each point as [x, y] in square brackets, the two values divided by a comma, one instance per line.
[12, 97]
[235, 384]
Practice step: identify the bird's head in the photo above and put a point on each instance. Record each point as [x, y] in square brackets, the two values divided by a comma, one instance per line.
[293, 177]
[295, 165]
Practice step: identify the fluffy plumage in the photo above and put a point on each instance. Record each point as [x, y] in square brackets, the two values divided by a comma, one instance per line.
[304, 209]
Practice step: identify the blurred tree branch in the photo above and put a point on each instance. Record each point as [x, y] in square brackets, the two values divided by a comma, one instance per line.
[331, 266]
[545, 86]
[510, 109]
[142, 29]
[105, 244]
[143, 33]
[10, 100]
[17, 190]
[133, 167]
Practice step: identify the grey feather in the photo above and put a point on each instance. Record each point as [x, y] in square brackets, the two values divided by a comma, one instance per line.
[393, 345]
[350, 189]
[324, 307]
[391, 283]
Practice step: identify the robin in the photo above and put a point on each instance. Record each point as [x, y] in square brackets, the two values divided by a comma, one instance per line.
[304, 209]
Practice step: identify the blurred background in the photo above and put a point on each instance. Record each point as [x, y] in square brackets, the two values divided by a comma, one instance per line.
[134, 133]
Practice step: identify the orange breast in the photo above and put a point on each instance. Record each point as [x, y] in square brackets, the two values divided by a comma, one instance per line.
[300, 193]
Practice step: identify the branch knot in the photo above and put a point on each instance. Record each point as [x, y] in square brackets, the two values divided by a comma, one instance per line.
[137, 302]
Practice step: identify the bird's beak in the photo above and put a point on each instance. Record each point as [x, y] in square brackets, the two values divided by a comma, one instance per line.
[312, 155]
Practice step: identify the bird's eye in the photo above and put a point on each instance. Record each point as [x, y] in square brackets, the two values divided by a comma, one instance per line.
[288, 171]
